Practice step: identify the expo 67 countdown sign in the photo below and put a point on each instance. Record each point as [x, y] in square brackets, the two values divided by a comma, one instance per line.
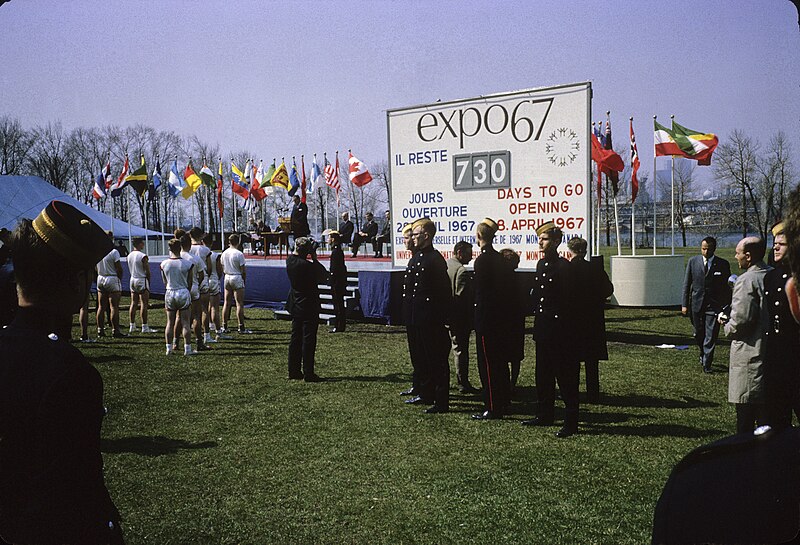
[520, 158]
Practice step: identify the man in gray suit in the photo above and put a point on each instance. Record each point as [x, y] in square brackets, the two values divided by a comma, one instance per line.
[706, 293]
[462, 311]
[748, 321]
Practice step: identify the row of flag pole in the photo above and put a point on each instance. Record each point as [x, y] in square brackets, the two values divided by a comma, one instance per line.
[678, 141]
[253, 183]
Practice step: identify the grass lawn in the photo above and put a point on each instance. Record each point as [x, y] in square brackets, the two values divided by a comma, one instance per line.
[222, 448]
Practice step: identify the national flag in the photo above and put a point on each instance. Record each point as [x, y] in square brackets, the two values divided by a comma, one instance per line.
[695, 145]
[634, 166]
[193, 181]
[316, 175]
[600, 136]
[238, 184]
[107, 173]
[332, 174]
[303, 179]
[664, 141]
[266, 180]
[176, 183]
[294, 180]
[220, 183]
[155, 182]
[612, 175]
[138, 179]
[359, 175]
[99, 189]
[607, 160]
[207, 176]
[117, 187]
[280, 177]
[248, 173]
[257, 191]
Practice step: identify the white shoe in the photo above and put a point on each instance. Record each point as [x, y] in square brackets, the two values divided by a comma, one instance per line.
[147, 329]
[210, 339]
[244, 331]
[169, 350]
[132, 328]
[190, 352]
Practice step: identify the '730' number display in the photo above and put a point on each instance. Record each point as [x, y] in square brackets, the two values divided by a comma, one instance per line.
[485, 170]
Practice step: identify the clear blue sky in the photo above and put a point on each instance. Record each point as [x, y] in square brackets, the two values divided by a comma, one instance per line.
[289, 77]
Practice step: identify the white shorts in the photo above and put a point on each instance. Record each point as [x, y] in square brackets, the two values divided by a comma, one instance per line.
[195, 292]
[108, 284]
[139, 285]
[213, 286]
[177, 299]
[234, 282]
[204, 286]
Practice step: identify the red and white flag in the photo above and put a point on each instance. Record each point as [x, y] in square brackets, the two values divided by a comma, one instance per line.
[332, 174]
[634, 166]
[359, 174]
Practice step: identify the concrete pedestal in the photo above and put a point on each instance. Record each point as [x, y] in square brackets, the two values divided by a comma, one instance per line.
[647, 280]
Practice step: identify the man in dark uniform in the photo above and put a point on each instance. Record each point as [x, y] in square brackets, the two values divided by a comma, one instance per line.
[553, 311]
[338, 284]
[346, 228]
[367, 234]
[429, 304]
[408, 241]
[706, 293]
[494, 284]
[51, 398]
[385, 236]
[592, 288]
[781, 341]
[303, 305]
[299, 218]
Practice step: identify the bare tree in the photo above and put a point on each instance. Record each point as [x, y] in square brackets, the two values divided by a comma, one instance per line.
[735, 163]
[777, 177]
[50, 157]
[15, 143]
[90, 151]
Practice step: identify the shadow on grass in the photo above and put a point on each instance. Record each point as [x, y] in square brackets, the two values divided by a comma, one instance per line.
[651, 430]
[643, 401]
[395, 378]
[648, 339]
[150, 445]
[111, 358]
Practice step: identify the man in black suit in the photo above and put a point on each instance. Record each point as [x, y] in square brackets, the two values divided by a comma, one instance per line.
[338, 283]
[429, 302]
[51, 398]
[494, 291]
[299, 218]
[303, 305]
[554, 314]
[706, 293]
[385, 236]
[367, 234]
[346, 228]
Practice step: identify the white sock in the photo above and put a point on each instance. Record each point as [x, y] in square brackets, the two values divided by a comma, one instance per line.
[132, 328]
[169, 348]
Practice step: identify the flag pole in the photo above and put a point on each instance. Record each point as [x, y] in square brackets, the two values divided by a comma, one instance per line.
[233, 203]
[655, 188]
[672, 194]
[164, 225]
[222, 218]
[613, 192]
[633, 208]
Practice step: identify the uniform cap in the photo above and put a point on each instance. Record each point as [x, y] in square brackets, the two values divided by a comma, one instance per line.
[778, 228]
[489, 222]
[407, 228]
[72, 234]
[421, 222]
[545, 227]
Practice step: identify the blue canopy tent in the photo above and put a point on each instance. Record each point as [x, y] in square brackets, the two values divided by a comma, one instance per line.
[26, 196]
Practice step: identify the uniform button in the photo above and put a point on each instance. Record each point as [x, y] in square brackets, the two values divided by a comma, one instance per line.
[427, 298]
[53, 337]
[416, 284]
[784, 275]
[542, 299]
[779, 290]
[777, 317]
[549, 279]
[556, 316]
[777, 303]
[542, 286]
[544, 274]
[766, 292]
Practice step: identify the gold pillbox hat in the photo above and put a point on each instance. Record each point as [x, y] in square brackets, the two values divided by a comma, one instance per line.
[491, 224]
[545, 227]
[778, 228]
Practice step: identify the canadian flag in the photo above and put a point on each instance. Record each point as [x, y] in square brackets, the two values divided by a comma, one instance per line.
[359, 175]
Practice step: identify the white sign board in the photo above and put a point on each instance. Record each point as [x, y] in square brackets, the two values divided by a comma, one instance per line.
[520, 158]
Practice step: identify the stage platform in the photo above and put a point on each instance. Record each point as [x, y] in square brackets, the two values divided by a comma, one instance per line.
[379, 284]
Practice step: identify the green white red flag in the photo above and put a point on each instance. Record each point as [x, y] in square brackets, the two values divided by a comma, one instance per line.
[684, 142]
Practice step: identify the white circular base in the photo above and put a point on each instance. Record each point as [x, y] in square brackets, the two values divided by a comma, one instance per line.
[647, 280]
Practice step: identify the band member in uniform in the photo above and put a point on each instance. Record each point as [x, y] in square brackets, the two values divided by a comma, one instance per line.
[429, 305]
[51, 398]
[781, 341]
[553, 311]
[338, 281]
[516, 328]
[592, 287]
[178, 277]
[494, 282]
[462, 313]
[303, 305]
[109, 290]
[233, 264]
[408, 242]
[139, 269]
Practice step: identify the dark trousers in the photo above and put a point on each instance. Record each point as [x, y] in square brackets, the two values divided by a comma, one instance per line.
[302, 346]
[553, 364]
[459, 344]
[494, 372]
[706, 331]
[747, 415]
[358, 240]
[338, 308]
[413, 355]
[433, 349]
[592, 369]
